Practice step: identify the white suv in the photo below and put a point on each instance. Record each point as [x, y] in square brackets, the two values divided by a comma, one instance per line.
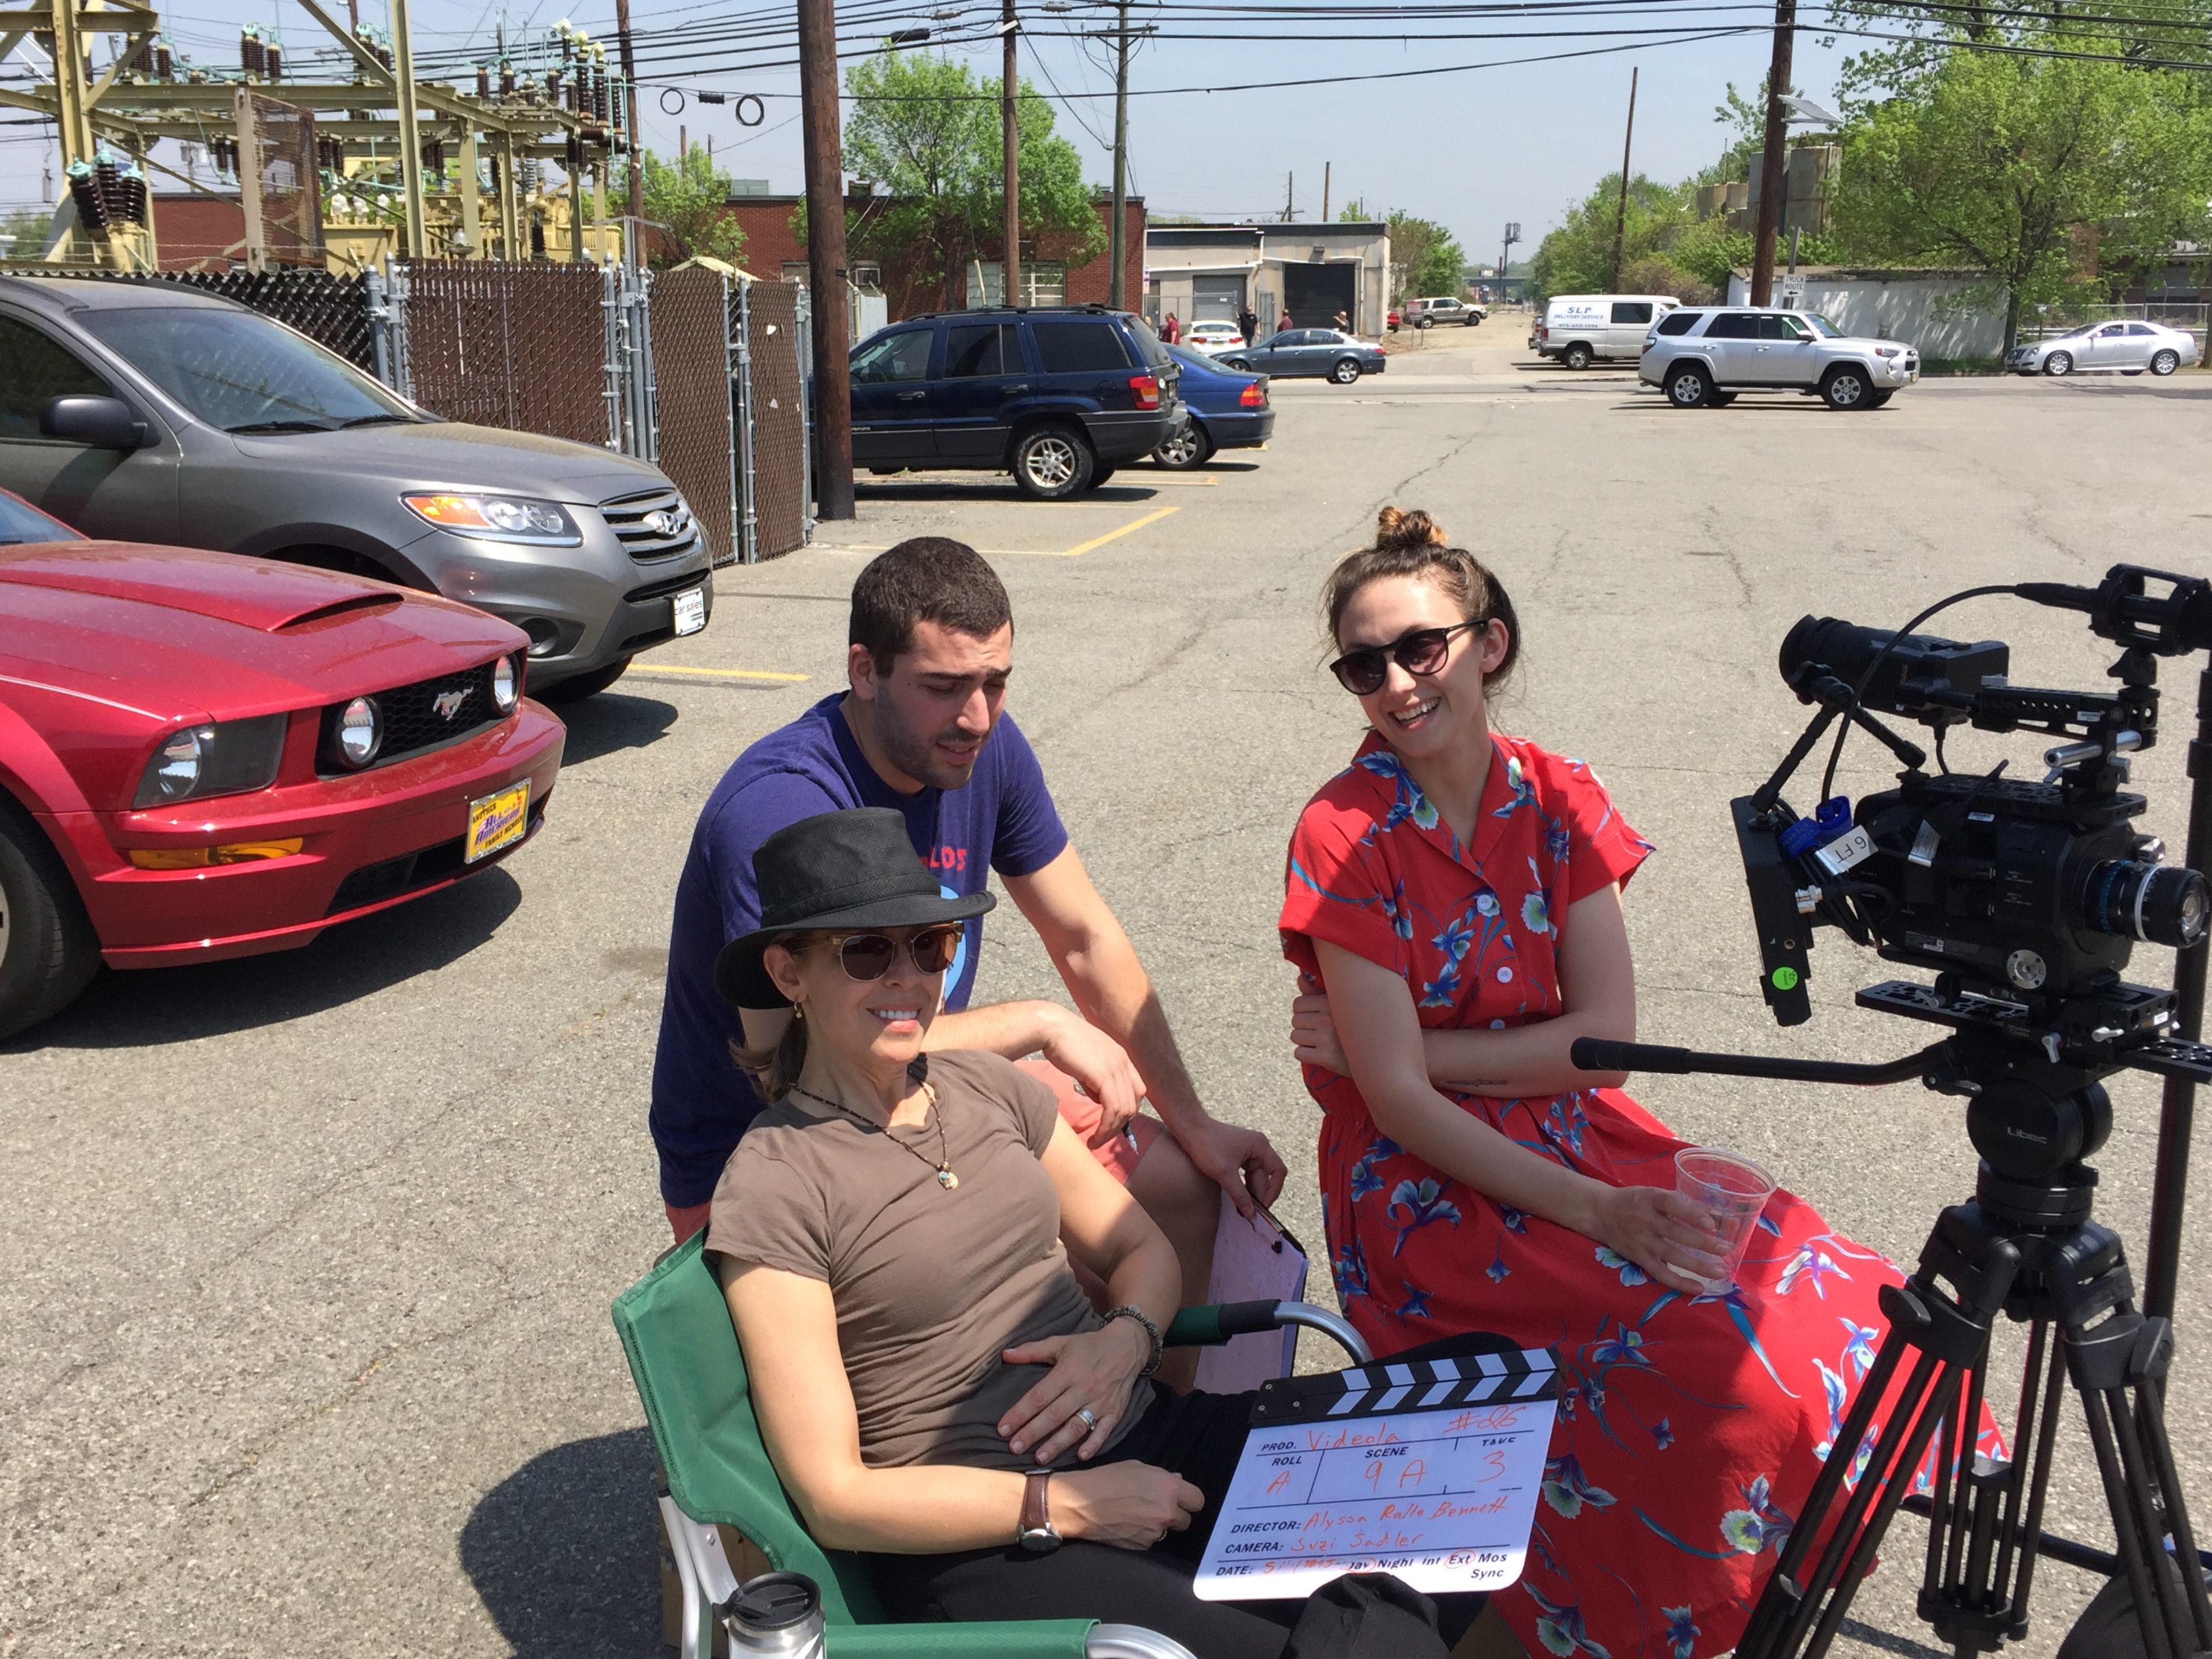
[1702, 355]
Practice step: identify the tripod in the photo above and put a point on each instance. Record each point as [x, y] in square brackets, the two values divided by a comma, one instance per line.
[2033, 1253]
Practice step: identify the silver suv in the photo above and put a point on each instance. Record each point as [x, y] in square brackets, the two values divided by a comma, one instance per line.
[1702, 355]
[152, 412]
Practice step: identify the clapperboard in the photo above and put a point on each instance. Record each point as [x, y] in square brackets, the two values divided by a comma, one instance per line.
[1427, 1468]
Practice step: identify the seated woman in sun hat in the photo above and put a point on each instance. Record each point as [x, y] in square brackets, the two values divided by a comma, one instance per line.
[894, 1236]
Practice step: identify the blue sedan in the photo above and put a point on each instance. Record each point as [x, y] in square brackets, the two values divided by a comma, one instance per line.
[1229, 410]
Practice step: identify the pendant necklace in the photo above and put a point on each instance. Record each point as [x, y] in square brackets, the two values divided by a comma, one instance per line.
[943, 1167]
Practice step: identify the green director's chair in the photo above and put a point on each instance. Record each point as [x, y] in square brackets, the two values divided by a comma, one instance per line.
[691, 1377]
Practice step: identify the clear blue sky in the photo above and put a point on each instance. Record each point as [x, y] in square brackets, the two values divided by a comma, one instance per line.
[1471, 150]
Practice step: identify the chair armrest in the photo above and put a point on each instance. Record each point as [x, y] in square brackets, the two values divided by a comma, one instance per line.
[1210, 1326]
[1011, 1638]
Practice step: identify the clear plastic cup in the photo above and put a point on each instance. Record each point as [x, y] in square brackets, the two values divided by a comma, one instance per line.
[1733, 1190]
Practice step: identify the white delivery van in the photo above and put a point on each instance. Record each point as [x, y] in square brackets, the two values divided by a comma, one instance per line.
[1580, 328]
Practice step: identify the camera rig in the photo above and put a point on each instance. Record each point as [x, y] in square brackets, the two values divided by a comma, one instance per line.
[2027, 900]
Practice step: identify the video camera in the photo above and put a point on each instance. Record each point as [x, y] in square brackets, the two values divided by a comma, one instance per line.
[2026, 897]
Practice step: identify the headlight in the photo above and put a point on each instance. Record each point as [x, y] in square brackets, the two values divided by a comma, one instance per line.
[1889, 351]
[498, 518]
[360, 733]
[229, 757]
[506, 684]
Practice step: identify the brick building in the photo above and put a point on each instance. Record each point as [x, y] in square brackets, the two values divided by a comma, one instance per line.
[771, 250]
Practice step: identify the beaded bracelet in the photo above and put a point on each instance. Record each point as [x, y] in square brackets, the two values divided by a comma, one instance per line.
[1159, 1344]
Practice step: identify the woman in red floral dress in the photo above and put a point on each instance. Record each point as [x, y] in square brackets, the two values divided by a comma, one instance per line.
[1453, 899]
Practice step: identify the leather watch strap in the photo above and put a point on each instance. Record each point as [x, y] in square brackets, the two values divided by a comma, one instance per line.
[1036, 1524]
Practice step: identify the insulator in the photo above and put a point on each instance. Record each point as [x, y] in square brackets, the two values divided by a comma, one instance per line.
[603, 106]
[506, 79]
[165, 65]
[574, 156]
[132, 206]
[526, 171]
[433, 158]
[537, 239]
[272, 60]
[252, 55]
[483, 80]
[84, 190]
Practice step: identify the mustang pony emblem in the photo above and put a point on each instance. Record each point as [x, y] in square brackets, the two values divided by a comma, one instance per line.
[448, 704]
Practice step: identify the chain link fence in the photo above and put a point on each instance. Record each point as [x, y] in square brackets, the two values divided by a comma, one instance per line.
[695, 401]
[499, 346]
[771, 319]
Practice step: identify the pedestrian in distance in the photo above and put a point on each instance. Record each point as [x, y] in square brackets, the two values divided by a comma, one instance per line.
[1285, 324]
[1343, 324]
[1171, 332]
[1249, 322]
[1453, 902]
[923, 729]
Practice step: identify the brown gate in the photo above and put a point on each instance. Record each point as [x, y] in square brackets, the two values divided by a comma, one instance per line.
[777, 406]
[691, 373]
[518, 346]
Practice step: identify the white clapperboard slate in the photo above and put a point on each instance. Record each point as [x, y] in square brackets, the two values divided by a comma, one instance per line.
[1427, 1468]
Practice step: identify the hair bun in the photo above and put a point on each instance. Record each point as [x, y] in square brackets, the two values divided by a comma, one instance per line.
[1396, 526]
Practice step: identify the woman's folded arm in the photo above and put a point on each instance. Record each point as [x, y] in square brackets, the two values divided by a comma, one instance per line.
[788, 1327]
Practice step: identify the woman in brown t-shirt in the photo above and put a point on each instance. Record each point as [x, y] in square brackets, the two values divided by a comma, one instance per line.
[894, 1237]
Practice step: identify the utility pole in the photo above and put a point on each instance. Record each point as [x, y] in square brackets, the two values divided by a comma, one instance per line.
[1116, 294]
[411, 138]
[634, 240]
[1620, 218]
[1009, 86]
[1290, 194]
[1773, 165]
[825, 257]
[1325, 167]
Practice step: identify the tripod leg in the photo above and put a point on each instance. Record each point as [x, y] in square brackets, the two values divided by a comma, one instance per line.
[1776, 1623]
[2151, 1412]
[2044, 1417]
[2132, 1524]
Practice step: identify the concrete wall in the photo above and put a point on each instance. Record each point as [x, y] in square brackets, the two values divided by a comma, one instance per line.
[1907, 305]
[1174, 254]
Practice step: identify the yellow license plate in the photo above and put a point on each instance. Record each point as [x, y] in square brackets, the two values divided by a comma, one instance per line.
[497, 821]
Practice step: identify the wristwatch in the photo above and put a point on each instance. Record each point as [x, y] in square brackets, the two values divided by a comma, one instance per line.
[1034, 1531]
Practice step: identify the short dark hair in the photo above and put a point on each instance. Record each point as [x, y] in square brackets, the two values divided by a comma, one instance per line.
[926, 579]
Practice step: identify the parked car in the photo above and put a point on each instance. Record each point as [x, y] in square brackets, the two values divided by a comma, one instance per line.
[2125, 347]
[1580, 329]
[1228, 409]
[1210, 338]
[1392, 318]
[151, 412]
[1702, 356]
[1059, 396]
[203, 755]
[1292, 352]
[1443, 308]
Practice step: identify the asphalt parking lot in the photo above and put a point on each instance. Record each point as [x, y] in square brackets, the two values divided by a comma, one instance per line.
[307, 1257]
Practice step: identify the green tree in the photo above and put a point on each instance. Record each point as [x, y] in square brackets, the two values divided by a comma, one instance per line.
[927, 128]
[1578, 257]
[2000, 164]
[28, 226]
[1424, 258]
[689, 200]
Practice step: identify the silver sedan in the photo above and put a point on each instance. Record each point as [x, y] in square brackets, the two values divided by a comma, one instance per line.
[2124, 347]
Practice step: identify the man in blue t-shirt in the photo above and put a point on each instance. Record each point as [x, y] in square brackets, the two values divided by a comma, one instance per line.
[922, 731]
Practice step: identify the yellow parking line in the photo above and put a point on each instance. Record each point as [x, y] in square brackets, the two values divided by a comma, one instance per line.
[1081, 548]
[719, 673]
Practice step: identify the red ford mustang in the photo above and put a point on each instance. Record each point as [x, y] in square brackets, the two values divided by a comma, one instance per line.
[203, 755]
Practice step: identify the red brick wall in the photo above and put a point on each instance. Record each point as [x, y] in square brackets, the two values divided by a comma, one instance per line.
[766, 220]
[195, 231]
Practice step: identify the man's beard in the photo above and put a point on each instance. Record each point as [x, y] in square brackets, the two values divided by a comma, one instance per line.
[915, 755]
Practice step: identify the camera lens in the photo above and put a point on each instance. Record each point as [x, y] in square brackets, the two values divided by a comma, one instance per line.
[2154, 902]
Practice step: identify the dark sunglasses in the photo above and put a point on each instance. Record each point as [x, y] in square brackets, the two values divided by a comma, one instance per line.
[1421, 652]
[864, 956]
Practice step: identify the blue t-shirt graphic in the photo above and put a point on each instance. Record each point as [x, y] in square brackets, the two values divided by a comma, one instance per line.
[1002, 820]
